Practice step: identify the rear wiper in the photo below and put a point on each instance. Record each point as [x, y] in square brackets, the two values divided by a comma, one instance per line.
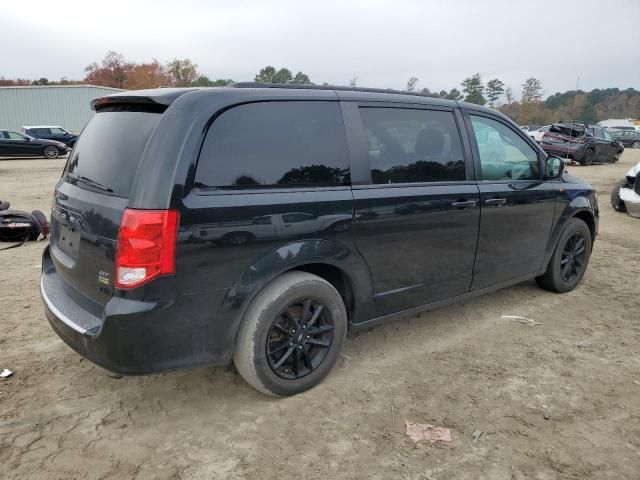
[88, 181]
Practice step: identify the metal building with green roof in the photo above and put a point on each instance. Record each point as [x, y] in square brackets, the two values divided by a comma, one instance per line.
[67, 106]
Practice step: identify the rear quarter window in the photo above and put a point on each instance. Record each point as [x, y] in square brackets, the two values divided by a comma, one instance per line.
[275, 145]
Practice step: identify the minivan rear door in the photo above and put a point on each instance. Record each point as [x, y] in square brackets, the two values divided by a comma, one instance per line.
[92, 194]
[417, 210]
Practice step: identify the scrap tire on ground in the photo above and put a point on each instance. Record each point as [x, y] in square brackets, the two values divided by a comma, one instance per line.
[617, 204]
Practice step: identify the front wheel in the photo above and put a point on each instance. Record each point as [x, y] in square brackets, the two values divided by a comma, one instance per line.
[636, 144]
[569, 260]
[291, 335]
[51, 152]
[616, 157]
[588, 158]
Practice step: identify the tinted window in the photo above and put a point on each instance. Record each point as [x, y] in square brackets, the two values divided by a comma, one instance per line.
[504, 155]
[607, 135]
[411, 145]
[57, 131]
[275, 144]
[42, 131]
[110, 147]
[15, 136]
[597, 132]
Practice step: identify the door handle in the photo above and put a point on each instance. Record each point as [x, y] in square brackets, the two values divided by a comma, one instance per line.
[495, 202]
[462, 204]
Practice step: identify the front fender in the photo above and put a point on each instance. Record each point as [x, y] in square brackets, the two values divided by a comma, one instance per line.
[570, 202]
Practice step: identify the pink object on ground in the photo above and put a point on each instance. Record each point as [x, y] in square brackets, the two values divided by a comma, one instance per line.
[423, 432]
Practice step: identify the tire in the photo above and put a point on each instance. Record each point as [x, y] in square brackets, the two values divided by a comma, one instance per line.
[42, 221]
[237, 238]
[50, 152]
[616, 157]
[617, 204]
[265, 326]
[567, 259]
[636, 144]
[588, 158]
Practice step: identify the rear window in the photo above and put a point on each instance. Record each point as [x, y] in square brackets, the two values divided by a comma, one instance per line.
[275, 145]
[109, 149]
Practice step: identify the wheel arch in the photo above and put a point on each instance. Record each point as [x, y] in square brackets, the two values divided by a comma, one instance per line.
[582, 207]
[587, 217]
[336, 263]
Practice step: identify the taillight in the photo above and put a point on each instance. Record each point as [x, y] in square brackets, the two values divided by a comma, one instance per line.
[146, 246]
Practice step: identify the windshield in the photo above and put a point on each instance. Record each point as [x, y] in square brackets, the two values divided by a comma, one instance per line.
[109, 149]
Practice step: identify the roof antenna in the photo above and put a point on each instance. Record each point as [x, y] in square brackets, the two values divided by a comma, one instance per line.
[573, 114]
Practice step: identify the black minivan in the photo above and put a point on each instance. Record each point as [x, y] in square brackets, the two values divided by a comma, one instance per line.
[258, 223]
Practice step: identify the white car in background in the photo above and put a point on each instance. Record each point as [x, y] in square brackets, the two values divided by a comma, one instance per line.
[625, 196]
[537, 134]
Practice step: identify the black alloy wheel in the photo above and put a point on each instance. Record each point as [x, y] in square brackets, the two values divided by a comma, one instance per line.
[299, 339]
[573, 260]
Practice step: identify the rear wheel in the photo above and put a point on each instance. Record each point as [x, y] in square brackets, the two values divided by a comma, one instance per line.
[617, 204]
[291, 335]
[51, 152]
[569, 260]
[588, 158]
[636, 144]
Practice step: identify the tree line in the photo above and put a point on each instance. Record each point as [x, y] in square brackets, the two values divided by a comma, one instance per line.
[599, 104]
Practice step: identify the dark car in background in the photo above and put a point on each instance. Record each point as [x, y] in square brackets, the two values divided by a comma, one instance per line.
[51, 132]
[14, 144]
[360, 207]
[627, 137]
[582, 143]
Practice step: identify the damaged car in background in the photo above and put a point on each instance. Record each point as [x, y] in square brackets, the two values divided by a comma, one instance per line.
[581, 143]
[625, 196]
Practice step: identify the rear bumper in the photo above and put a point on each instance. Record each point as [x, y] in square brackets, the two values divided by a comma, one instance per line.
[138, 337]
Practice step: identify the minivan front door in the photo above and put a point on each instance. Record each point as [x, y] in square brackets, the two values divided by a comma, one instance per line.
[417, 214]
[517, 205]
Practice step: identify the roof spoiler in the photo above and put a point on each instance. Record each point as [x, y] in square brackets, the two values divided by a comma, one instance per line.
[102, 102]
[154, 99]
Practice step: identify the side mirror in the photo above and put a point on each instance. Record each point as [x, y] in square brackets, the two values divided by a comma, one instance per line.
[553, 168]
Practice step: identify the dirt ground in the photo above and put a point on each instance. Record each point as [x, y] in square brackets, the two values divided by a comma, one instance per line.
[462, 367]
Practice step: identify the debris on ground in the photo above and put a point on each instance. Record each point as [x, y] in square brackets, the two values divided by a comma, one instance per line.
[476, 435]
[5, 373]
[424, 432]
[524, 320]
[546, 412]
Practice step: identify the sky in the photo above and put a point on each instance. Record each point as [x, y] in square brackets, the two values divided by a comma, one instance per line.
[383, 43]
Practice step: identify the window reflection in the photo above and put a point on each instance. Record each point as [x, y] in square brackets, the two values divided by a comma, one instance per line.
[411, 145]
[275, 144]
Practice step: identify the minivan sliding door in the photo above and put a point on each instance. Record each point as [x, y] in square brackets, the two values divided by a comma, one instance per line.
[417, 212]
